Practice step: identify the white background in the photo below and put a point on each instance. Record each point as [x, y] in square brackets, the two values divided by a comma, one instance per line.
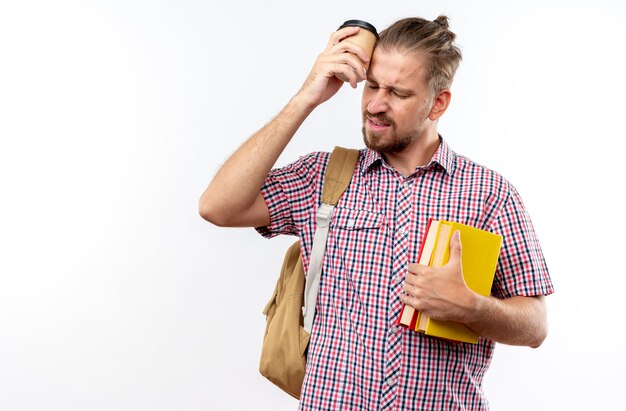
[114, 115]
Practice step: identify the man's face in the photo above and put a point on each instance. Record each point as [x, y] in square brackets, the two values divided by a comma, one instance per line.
[396, 101]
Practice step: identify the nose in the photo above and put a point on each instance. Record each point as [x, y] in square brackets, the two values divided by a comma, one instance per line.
[378, 102]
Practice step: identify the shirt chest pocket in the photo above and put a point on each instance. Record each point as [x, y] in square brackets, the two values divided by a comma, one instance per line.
[356, 243]
[354, 220]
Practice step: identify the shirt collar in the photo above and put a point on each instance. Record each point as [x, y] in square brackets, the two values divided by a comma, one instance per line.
[443, 157]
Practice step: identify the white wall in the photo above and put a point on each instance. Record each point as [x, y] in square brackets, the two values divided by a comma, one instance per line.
[114, 115]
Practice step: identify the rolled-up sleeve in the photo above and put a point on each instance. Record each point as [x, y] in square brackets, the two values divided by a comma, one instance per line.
[522, 269]
[290, 194]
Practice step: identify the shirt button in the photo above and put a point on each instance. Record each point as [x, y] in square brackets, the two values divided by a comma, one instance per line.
[390, 382]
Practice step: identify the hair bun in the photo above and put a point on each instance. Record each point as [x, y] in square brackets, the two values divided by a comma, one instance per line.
[442, 21]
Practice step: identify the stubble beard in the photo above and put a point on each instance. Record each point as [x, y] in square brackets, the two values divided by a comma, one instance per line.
[395, 143]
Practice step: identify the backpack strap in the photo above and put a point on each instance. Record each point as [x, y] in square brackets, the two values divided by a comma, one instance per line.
[339, 171]
[338, 174]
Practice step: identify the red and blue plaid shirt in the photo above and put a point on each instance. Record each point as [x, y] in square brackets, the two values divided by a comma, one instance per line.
[358, 358]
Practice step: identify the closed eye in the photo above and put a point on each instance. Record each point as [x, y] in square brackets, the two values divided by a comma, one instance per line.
[400, 95]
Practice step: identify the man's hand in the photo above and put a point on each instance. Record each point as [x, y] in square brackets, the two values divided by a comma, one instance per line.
[440, 293]
[233, 197]
[341, 61]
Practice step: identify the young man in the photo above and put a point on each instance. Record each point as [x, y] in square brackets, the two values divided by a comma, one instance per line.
[358, 359]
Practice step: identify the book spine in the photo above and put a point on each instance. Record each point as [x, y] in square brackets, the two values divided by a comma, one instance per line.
[409, 316]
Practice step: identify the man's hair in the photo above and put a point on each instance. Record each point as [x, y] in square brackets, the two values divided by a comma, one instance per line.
[433, 39]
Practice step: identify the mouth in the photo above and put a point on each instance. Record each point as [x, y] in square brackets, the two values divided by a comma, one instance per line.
[377, 124]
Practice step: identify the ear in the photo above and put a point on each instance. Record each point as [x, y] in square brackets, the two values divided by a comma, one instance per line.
[440, 105]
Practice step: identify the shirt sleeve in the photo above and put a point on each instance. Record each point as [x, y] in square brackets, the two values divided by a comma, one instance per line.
[522, 269]
[290, 194]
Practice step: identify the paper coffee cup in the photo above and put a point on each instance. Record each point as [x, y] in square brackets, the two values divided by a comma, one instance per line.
[366, 37]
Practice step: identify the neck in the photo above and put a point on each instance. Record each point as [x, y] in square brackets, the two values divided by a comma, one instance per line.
[418, 153]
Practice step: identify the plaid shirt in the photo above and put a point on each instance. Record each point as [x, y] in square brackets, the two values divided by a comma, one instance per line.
[358, 358]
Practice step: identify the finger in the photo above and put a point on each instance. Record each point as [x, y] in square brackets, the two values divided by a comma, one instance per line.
[456, 248]
[351, 60]
[337, 36]
[353, 48]
[417, 269]
[405, 299]
[410, 301]
[347, 73]
[336, 44]
[410, 278]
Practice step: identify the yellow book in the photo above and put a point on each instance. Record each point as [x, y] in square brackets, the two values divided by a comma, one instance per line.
[479, 257]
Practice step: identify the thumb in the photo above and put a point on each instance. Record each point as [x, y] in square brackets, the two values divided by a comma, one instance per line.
[455, 248]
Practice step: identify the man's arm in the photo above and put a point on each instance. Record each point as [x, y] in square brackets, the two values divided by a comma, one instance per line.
[233, 197]
[442, 294]
[514, 321]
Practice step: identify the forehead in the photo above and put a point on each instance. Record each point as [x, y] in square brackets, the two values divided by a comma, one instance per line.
[398, 68]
